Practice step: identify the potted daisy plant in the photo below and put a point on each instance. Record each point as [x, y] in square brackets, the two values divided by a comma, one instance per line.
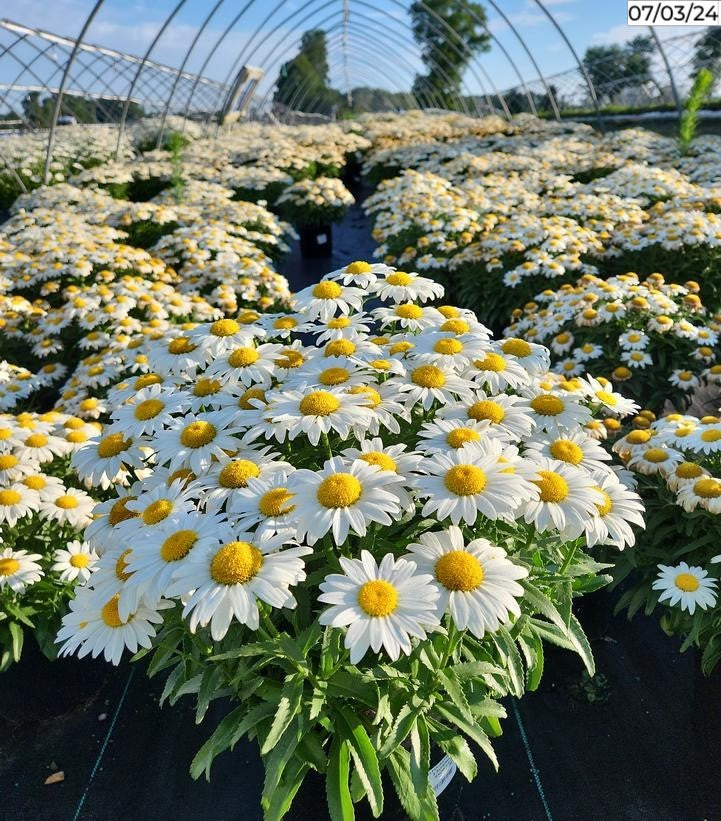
[358, 525]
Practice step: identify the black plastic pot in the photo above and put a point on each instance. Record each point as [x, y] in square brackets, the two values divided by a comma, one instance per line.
[316, 241]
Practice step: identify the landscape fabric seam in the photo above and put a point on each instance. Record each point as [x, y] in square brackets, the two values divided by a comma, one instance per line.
[534, 770]
[101, 753]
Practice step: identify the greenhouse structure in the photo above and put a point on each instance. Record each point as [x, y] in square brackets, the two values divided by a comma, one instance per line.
[360, 410]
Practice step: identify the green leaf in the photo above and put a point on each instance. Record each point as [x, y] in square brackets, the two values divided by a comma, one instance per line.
[337, 790]
[17, 636]
[420, 755]
[451, 713]
[283, 797]
[354, 685]
[364, 758]
[280, 755]
[514, 664]
[581, 645]
[460, 752]
[419, 806]
[288, 707]
[405, 720]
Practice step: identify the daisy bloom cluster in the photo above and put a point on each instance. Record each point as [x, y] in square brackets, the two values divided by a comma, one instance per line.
[44, 510]
[675, 572]
[315, 201]
[368, 482]
[654, 338]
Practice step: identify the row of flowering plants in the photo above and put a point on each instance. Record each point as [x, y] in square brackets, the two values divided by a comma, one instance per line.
[673, 572]
[361, 524]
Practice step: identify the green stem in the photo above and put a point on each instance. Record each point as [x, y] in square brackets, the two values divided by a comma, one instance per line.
[326, 445]
[569, 558]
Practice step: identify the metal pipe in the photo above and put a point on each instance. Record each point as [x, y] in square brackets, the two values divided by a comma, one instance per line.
[671, 78]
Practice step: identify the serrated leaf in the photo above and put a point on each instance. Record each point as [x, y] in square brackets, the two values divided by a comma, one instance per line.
[288, 707]
[364, 758]
[340, 805]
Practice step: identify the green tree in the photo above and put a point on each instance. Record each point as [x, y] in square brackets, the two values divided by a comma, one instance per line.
[614, 68]
[305, 77]
[449, 33]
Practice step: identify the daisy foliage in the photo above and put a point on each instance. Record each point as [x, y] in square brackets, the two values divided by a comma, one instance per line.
[674, 570]
[364, 538]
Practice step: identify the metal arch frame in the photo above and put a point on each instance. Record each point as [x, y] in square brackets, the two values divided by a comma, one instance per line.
[370, 24]
[333, 14]
[579, 63]
[197, 37]
[529, 54]
[672, 80]
[333, 42]
[434, 28]
[59, 97]
[154, 42]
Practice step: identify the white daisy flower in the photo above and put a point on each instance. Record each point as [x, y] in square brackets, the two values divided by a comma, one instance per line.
[620, 509]
[469, 481]
[496, 371]
[19, 569]
[399, 286]
[445, 434]
[686, 586]
[575, 448]
[246, 364]
[383, 606]
[651, 460]
[149, 410]
[602, 393]
[478, 584]
[426, 384]
[686, 380]
[197, 439]
[534, 358]
[75, 563]
[359, 273]
[218, 338]
[636, 359]
[409, 316]
[265, 506]
[102, 461]
[704, 492]
[72, 507]
[633, 340]
[567, 497]
[555, 413]
[388, 457]
[228, 580]
[341, 497]
[509, 417]
[17, 501]
[327, 298]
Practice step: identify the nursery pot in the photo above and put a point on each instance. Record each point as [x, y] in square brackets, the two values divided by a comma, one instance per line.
[316, 240]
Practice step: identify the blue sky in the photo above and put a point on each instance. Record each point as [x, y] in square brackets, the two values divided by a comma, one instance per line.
[379, 49]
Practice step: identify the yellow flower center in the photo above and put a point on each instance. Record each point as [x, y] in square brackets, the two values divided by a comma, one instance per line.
[206, 387]
[236, 563]
[8, 566]
[409, 311]
[121, 565]
[689, 470]
[459, 570]
[340, 347]
[339, 490]
[36, 482]
[554, 488]
[465, 480]
[290, 358]
[157, 511]
[566, 451]
[621, 372]
[638, 437]
[448, 347]
[546, 404]
[358, 267]
[378, 598]
[607, 398]
[491, 362]
[109, 612]
[146, 380]
[655, 455]
[251, 393]
[319, 403]
[178, 545]
[487, 409]
[399, 278]
[180, 345]
[236, 474]
[339, 322]
[79, 560]
[516, 347]
[377, 457]
[224, 327]
[66, 502]
[455, 326]
[198, 434]
[459, 436]
[686, 582]
[276, 502]
[712, 435]
[242, 357]
[120, 513]
[707, 488]
[333, 376]
[76, 437]
[36, 440]
[428, 376]
[327, 290]
[112, 445]
[401, 347]
[148, 409]
[8, 461]
[285, 323]
[9, 497]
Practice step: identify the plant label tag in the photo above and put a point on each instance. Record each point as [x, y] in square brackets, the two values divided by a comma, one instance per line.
[440, 776]
[321, 239]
